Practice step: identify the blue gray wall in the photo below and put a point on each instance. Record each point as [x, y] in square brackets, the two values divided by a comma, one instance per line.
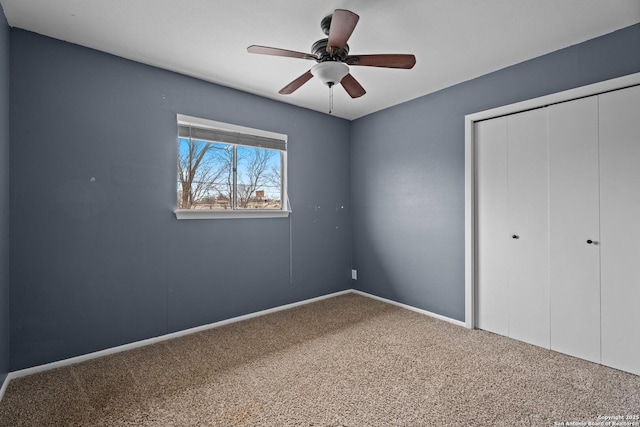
[103, 263]
[4, 197]
[407, 171]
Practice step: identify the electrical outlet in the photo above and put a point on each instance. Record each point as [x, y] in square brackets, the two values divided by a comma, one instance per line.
[354, 274]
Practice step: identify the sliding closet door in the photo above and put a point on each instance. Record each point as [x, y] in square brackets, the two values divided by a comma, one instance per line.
[620, 228]
[491, 225]
[574, 262]
[528, 248]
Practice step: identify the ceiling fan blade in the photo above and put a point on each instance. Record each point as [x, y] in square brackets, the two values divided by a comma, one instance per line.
[343, 22]
[294, 85]
[351, 85]
[384, 60]
[265, 50]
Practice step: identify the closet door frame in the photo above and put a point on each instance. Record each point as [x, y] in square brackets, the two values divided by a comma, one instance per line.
[470, 173]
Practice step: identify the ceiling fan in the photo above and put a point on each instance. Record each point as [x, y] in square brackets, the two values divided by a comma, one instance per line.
[332, 56]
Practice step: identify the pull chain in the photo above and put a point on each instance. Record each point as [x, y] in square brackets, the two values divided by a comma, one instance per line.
[330, 98]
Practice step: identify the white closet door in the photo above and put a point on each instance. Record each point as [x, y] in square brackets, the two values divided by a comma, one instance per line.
[528, 251]
[620, 228]
[574, 264]
[492, 230]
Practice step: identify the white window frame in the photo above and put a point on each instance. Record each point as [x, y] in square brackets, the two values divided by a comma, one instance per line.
[283, 212]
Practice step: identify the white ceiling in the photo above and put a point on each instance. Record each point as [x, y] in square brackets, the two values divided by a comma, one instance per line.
[453, 40]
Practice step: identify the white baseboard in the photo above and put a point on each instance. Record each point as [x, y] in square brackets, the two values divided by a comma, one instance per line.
[409, 307]
[138, 344]
[5, 384]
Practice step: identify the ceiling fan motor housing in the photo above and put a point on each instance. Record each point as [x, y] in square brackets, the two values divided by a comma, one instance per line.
[319, 50]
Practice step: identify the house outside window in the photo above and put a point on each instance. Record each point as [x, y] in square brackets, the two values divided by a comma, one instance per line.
[229, 171]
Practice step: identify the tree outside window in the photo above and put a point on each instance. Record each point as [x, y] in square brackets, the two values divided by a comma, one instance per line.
[217, 175]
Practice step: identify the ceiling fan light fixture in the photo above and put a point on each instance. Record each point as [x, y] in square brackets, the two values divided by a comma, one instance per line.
[330, 72]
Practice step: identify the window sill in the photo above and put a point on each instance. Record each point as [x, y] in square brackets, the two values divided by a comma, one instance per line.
[206, 214]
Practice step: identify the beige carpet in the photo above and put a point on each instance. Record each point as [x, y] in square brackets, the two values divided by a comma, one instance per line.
[345, 361]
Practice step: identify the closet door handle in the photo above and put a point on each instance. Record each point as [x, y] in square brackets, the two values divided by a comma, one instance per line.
[591, 242]
[515, 236]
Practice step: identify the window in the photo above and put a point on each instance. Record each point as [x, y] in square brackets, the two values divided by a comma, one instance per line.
[229, 171]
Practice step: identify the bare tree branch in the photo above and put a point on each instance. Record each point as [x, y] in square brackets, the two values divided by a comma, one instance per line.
[255, 175]
[198, 169]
